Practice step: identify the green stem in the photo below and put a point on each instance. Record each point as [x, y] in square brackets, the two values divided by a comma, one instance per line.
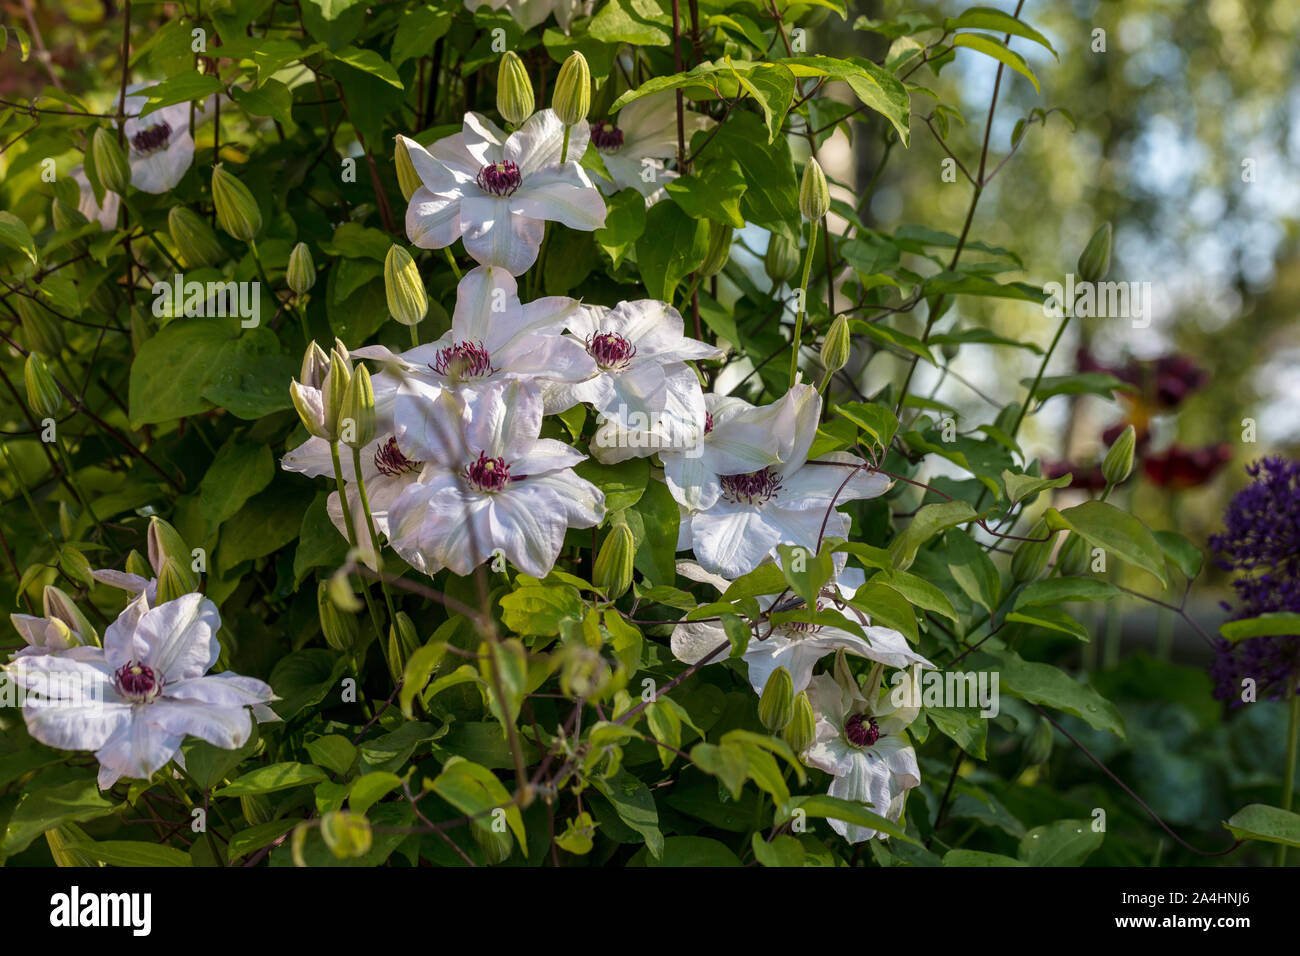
[415, 340]
[564, 150]
[301, 308]
[374, 535]
[76, 485]
[352, 536]
[1292, 738]
[803, 300]
[1042, 367]
[130, 207]
[22, 487]
[451, 261]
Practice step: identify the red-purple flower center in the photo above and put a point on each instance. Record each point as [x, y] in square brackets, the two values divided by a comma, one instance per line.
[463, 361]
[151, 139]
[606, 137]
[391, 462]
[751, 489]
[499, 179]
[611, 351]
[862, 730]
[708, 422]
[487, 474]
[137, 682]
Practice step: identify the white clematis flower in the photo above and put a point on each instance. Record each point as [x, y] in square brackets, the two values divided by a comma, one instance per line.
[792, 501]
[161, 146]
[136, 700]
[496, 191]
[489, 484]
[634, 144]
[863, 746]
[105, 215]
[61, 630]
[796, 646]
[647, 394]
[493, 337]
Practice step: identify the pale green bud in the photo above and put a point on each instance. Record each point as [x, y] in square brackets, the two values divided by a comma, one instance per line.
[196, 244]
[301, 272]
[165, 543]
[357, 424]
[776, 704]
[407, 300]
[59, 607]
[339, 626]
[237, 210]
[334, 392]
[137, 565]
[836, 345]
[514, 90]
[43, 395]
[171, 583]
[719, 249]
[572, 98]
[42, 329]
[109, 161]
[1118, 463]
[1031, 557]
[1073, 556]
[801, 731]
[407, 178]
[814, 194]
[1094, 261]
[612, 573]
[315, 366]
[781, 261]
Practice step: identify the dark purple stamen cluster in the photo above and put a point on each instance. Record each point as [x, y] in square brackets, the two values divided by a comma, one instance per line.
[610, 350]
[499, 179]
[136, 682]
[607, 137]
[751, 489]
[488, 474]
[391, 462]
[151, 139]
[708, 422]
[463, 361]
[862, 730]
[1261, 542]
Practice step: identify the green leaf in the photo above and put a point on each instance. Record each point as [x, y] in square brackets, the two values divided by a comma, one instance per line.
[1052, 687]
[639, 22]
[623, 483]
[964, 726]
[1265, 625]
[1055, 591]
[256, 837]
[1080, 383]
[417, 31]
[271, 779]
[973, 571]
[714, 193]
[917, 591]
[806, 573]
[874, 86]
[994, 47]
[1268, 824]
[333, 752]
[1051, 618]
[266, 523]
[928, 522]
[540, 609]
[772, 87]
[885, 606]
[833, 808]
[1020, 487]
[132, 853]
[1107, 527]
[772, 199]
[694, 851]
[174, 366]
[369, 789]
[987, 18]
[979, 858]
[879, 422]
[419, 668]
[635, 806]
[1186, 556]
[368, 61]
[475, 791]
[672, 246]
[40, 810]
[188, 87]
[784, 850]
[15, 235]
[1063, 843]
[240, 470]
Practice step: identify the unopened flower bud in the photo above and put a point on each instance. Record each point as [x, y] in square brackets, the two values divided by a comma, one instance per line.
[407, 300]
[315, 366]
[59, 607]
[339, 626]
[301, 272]
[43, 395]
[407, 178]
[237, 210]
[514, 89]
[572, 98]
[403, 641]
[137, 565]
[165, 543]
[171, 583]
[1031, 557]
[1118, 463]
[110, 165]
[776, 705]
[719, 249]
[1094, 261]
[612, 573]
[196, 244]
[781, 261]
[814, 194]
[836, 345]
[42, 329]
[334, 392]
[801, 731]
[1073, 556]
[357, 424]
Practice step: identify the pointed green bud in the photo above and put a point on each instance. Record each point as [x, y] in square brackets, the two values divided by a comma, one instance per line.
[165, 543]
[1030, 557]
[171, 583]
[801, 731]
[347, 834]
[66, 216]
[407, 178]
[1094, 261]
[1073, 556]
[781, 261]
[612, 573]
[814, 194]
[59, 607]
[237, 210]
[776, 705]
[1118, 463]
[334, 392]
[836, 345]
[315, 366]
[42, 329]
[720, 237]
[572, 98]
[137, 565]
[403, 641]
[43, 395]
[110, 161]
[196, 244]
[341, 594]
[301, 273]
[339, 626]
[357, 424]
[514, 90]
[407, 300]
